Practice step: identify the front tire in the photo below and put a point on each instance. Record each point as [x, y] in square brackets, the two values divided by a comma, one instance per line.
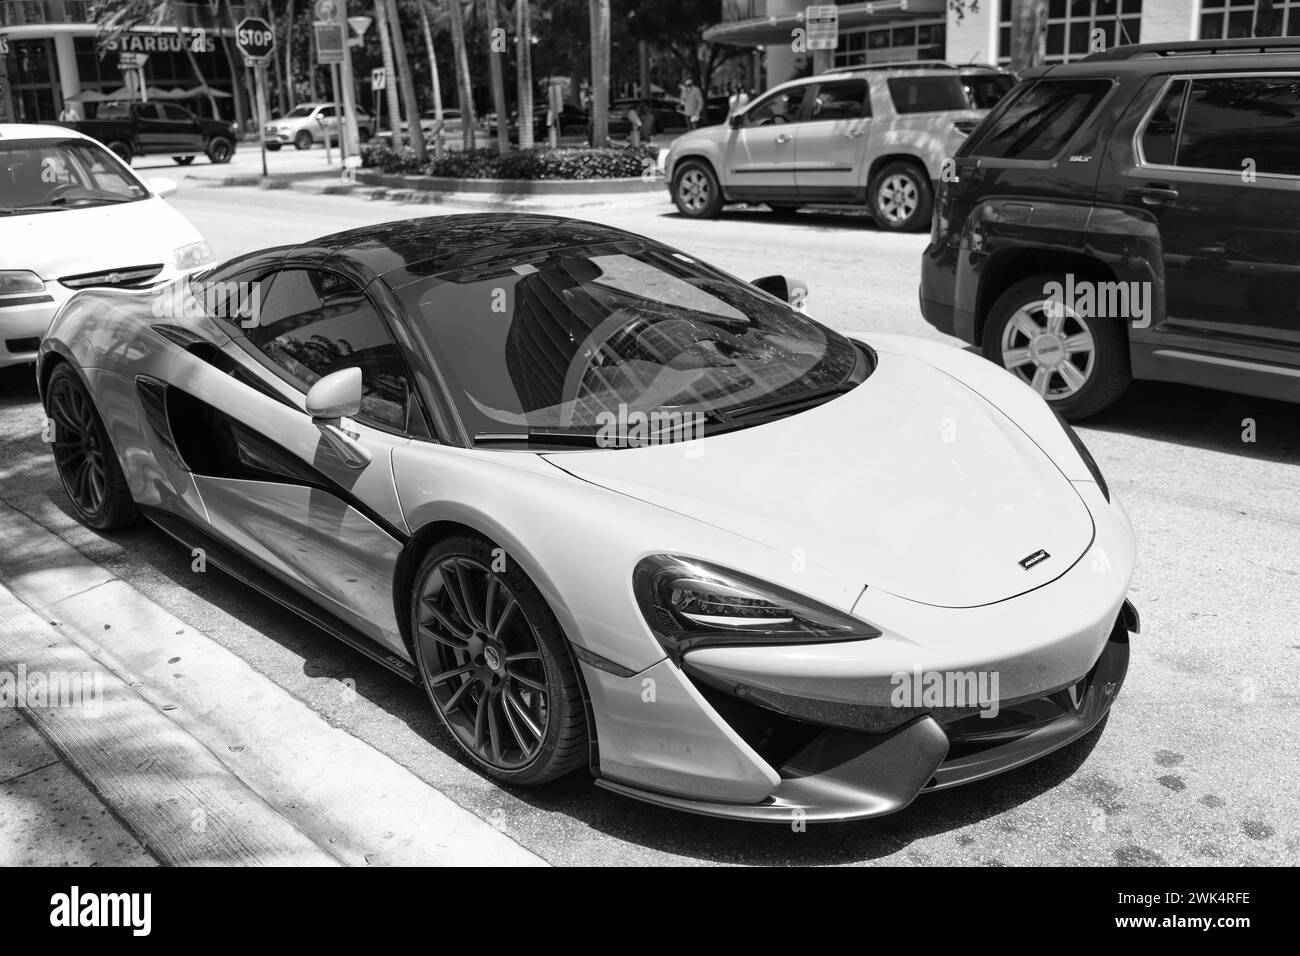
[302, 140]
[84, 456]
[696, 191]
[220, 150]
[496, 665]
[1078, 364]
[901, 198]
[123, 150]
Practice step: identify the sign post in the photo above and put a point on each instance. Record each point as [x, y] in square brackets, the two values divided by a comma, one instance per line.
[379, 83]
[256, 42]
[330, 38]
[4, 73]
[822, 25]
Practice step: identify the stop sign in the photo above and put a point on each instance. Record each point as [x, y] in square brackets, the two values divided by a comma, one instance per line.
[255, 38]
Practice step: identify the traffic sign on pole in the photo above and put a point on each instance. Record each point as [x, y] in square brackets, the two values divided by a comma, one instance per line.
[330, 38]
[823, 26]
[255, 39]
[378, 79]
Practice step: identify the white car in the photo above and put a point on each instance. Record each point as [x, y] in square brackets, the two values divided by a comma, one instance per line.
[74, 216]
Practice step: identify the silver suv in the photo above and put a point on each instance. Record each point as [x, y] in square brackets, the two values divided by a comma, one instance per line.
[307, 123]
[874, 136]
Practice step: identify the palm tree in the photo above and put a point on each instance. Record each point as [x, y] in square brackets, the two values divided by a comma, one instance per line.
[524, 56]
[498, 79]
[390, 87]
[599, 12]
[1028, 34]
[464, 86]
[433, 71]
[407, 81]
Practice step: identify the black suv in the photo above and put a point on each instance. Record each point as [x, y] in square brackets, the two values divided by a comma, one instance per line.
[1135, 214]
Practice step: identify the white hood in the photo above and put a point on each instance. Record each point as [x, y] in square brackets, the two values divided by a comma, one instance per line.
[73, 241]
[912, 483]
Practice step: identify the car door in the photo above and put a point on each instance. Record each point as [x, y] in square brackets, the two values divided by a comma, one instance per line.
[184, 132]
[151, 128]
[1218, 166]
[275, 484]
[760, 154]
[831, 146]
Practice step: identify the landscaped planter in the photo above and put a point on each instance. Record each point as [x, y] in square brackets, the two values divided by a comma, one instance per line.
[509, 187]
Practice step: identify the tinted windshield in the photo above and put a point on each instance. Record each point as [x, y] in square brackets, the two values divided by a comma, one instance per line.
[554, 340]
[44, 175]
[1039, 120]
[927, 94]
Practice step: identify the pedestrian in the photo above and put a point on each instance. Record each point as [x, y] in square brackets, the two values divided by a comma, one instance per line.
[692, 102]
[69, 114]
[647, 116]
[738, 101]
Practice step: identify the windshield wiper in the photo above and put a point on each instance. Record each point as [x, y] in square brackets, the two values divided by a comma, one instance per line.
[780, 407]
[539, 436]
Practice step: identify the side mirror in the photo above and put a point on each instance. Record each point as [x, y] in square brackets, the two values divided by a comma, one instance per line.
[786, 288]
[162, 187]
[337, 395]
[736, 121]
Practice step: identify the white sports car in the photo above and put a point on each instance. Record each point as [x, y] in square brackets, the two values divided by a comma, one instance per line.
[615, 508]
[74, 216]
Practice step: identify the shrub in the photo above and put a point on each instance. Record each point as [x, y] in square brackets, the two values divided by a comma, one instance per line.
[539, 163]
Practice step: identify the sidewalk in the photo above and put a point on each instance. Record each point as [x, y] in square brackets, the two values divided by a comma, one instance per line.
[201, 758]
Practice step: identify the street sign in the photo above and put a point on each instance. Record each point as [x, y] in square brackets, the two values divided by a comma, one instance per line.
[131, 61]
[822, 24]
[378, 79]
[329, 42]
[327, 10]
[255, 39]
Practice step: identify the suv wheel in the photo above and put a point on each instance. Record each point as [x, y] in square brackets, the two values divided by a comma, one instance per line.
[1078, 364]
[901, 198]
[302, 140]
[696, 191]
[220, 150]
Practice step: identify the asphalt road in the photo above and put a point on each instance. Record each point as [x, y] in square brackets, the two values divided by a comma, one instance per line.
[1196, 765]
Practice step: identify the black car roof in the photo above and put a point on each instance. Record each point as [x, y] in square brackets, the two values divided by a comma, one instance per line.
[1193, 56]
[431, 245]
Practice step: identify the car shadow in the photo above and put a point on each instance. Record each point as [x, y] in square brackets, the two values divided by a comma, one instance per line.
[818, 217]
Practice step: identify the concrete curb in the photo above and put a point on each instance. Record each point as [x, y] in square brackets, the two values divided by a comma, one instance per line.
[338, 791]
[169, 791]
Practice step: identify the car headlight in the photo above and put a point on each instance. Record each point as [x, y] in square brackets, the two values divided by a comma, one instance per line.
[690, 603]
[19, 281]
[1086, 455]
[193, 255]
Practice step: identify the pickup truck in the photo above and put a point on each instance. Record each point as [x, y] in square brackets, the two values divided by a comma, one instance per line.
[150, 129]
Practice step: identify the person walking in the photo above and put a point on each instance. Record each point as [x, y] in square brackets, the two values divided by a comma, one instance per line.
[692, 102]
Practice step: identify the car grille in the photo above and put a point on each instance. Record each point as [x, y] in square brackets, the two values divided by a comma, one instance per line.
[127, 277]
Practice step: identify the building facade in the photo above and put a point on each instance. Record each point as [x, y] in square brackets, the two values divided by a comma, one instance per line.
[49, 53]
[978, 31]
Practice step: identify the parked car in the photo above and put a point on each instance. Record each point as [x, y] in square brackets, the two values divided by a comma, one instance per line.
[452, 123]
[74, 216]
[495, 510]
[572, 121]
[668, 116]
[152, 129]
[985, 84]
[1157, 179]
[876, 137]
[309, 123]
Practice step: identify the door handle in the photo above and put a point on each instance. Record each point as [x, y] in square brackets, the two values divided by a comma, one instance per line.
[784, 138]
[856, 132]
[1154, 194]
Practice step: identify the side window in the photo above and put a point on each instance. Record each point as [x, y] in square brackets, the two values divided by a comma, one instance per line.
[1161, 133]
[147, 111]
[927, 94]
[1040, 119]
[325, 112]
[1229, 120]
[173, 112]
[312, 323]
[841, 100]
[778, 108]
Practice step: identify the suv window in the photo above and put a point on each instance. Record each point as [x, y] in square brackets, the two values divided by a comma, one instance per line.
[174, 112]
[927, 94]
[313, 323]
[147, 111]
[841, 100]
[1161, 131]
[782, 107]
[1038, 122]
[1229, 119]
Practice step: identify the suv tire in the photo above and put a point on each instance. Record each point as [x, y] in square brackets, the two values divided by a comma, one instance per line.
[1022, 335]
[901, 198]
[696, 191]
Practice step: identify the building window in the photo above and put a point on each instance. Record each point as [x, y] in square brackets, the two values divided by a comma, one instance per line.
[1231, 19]
[891, 42]
[1070, 26]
